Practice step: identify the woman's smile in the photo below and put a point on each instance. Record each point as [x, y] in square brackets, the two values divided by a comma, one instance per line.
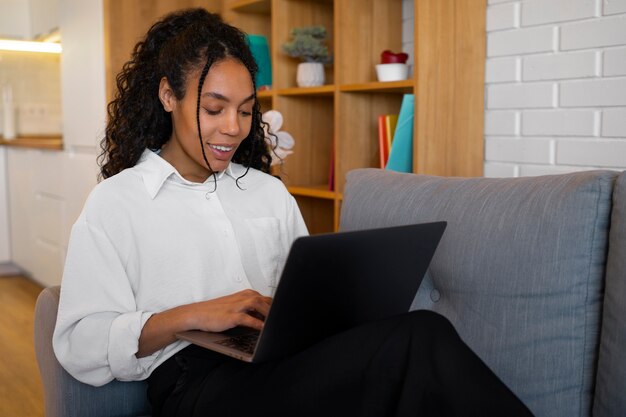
[222, 152]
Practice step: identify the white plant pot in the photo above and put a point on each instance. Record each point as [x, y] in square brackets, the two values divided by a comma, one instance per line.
[392, 72]
[310, 74]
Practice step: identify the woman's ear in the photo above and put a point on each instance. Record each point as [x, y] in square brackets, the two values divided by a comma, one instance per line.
[166, 95]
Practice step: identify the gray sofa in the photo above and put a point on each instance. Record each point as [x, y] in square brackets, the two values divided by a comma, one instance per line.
[531, 271]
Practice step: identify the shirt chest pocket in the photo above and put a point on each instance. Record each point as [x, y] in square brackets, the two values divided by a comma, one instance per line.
[269, 245]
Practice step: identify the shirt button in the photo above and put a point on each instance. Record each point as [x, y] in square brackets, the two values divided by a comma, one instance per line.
[435, 295]
[207, 196]
[238, 278]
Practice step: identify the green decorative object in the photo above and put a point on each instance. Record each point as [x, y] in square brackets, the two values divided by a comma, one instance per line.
[308, 44]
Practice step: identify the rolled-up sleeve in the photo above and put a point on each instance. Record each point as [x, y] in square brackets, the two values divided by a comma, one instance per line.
[98, 325]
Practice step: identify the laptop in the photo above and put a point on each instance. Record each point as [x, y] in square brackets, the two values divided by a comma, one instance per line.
[331, 283]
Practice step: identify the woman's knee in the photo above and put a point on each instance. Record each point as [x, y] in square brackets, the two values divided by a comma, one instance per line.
[426, 322]
[428, 317]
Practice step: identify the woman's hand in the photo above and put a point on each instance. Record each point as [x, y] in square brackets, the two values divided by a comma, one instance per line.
[245, 308]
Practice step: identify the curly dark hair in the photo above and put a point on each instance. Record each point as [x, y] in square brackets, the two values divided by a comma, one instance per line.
[173, 47]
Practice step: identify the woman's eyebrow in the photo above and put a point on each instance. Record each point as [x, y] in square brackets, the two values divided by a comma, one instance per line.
[219, 96]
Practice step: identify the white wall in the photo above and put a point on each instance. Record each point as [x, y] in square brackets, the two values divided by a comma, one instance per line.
[14, 19]
[44, 16]
[48, 188]
[5, 253]
[82, 72]
[408, 29]
[555, 86]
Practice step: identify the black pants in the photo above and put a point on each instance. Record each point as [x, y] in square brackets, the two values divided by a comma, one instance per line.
[411, 365]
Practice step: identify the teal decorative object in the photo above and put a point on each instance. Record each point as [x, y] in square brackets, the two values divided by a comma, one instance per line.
[261, 53]
[401, 153]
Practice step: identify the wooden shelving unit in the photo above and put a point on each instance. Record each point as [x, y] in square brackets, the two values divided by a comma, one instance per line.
[405, 86]
[325, 90]
[127, 21]
[340, 117]
[251, 6]
[337, 123]
[51, 143]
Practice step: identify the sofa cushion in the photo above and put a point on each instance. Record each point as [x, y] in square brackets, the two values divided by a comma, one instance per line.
[610, 398]
[519, 270]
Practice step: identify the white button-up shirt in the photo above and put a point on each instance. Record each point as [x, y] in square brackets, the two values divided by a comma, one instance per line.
[148, 240]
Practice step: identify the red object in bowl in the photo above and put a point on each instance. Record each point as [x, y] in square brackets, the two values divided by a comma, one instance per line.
[388, 57]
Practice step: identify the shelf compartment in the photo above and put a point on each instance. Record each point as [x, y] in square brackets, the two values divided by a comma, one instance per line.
[251, 16]
[317, 191]
[126, 22]
[318, 214]
[372, 26]
[310, 120]
[54, 143]
[265, 99]
[266, 105]
[357, 126]
[252, 6]
[298, 14]
[324, 90]
[403, 87]
[264, 95]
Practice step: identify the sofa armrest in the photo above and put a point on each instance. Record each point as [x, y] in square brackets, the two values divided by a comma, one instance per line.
[64, 395]
[519, 271]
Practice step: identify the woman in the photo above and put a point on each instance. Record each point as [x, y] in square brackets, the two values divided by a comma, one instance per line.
[188, 231]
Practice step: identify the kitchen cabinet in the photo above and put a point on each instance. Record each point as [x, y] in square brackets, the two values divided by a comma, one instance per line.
[5, 255]
[47, 188]
[27, 19]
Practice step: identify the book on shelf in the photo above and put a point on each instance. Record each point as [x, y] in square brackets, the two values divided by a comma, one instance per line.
[331, 170]
[383, 150]
[401, 152]
[391, 121]
[386, 129]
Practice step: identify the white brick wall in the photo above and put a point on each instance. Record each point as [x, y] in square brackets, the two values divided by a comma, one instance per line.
[560, 66]
[614, 6]
[559, 123]
[504, 16]
[407, 30]
[521, 41]
[614, 62]
[614, 122]
[503, 70]
[539, 12]
[555, 86]
[521, 95]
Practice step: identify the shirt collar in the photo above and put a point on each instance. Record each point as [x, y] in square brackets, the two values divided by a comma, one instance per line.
[156, 170]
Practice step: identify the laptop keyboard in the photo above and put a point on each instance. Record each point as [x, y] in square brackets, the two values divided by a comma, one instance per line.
[245, 343]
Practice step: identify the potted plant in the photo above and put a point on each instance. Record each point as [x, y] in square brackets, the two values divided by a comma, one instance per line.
[308, 45]
[393, 66]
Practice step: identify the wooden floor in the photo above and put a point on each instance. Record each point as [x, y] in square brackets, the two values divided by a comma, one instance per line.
[21, 393]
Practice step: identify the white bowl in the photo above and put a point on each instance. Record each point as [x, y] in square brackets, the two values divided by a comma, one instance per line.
[392, 72]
